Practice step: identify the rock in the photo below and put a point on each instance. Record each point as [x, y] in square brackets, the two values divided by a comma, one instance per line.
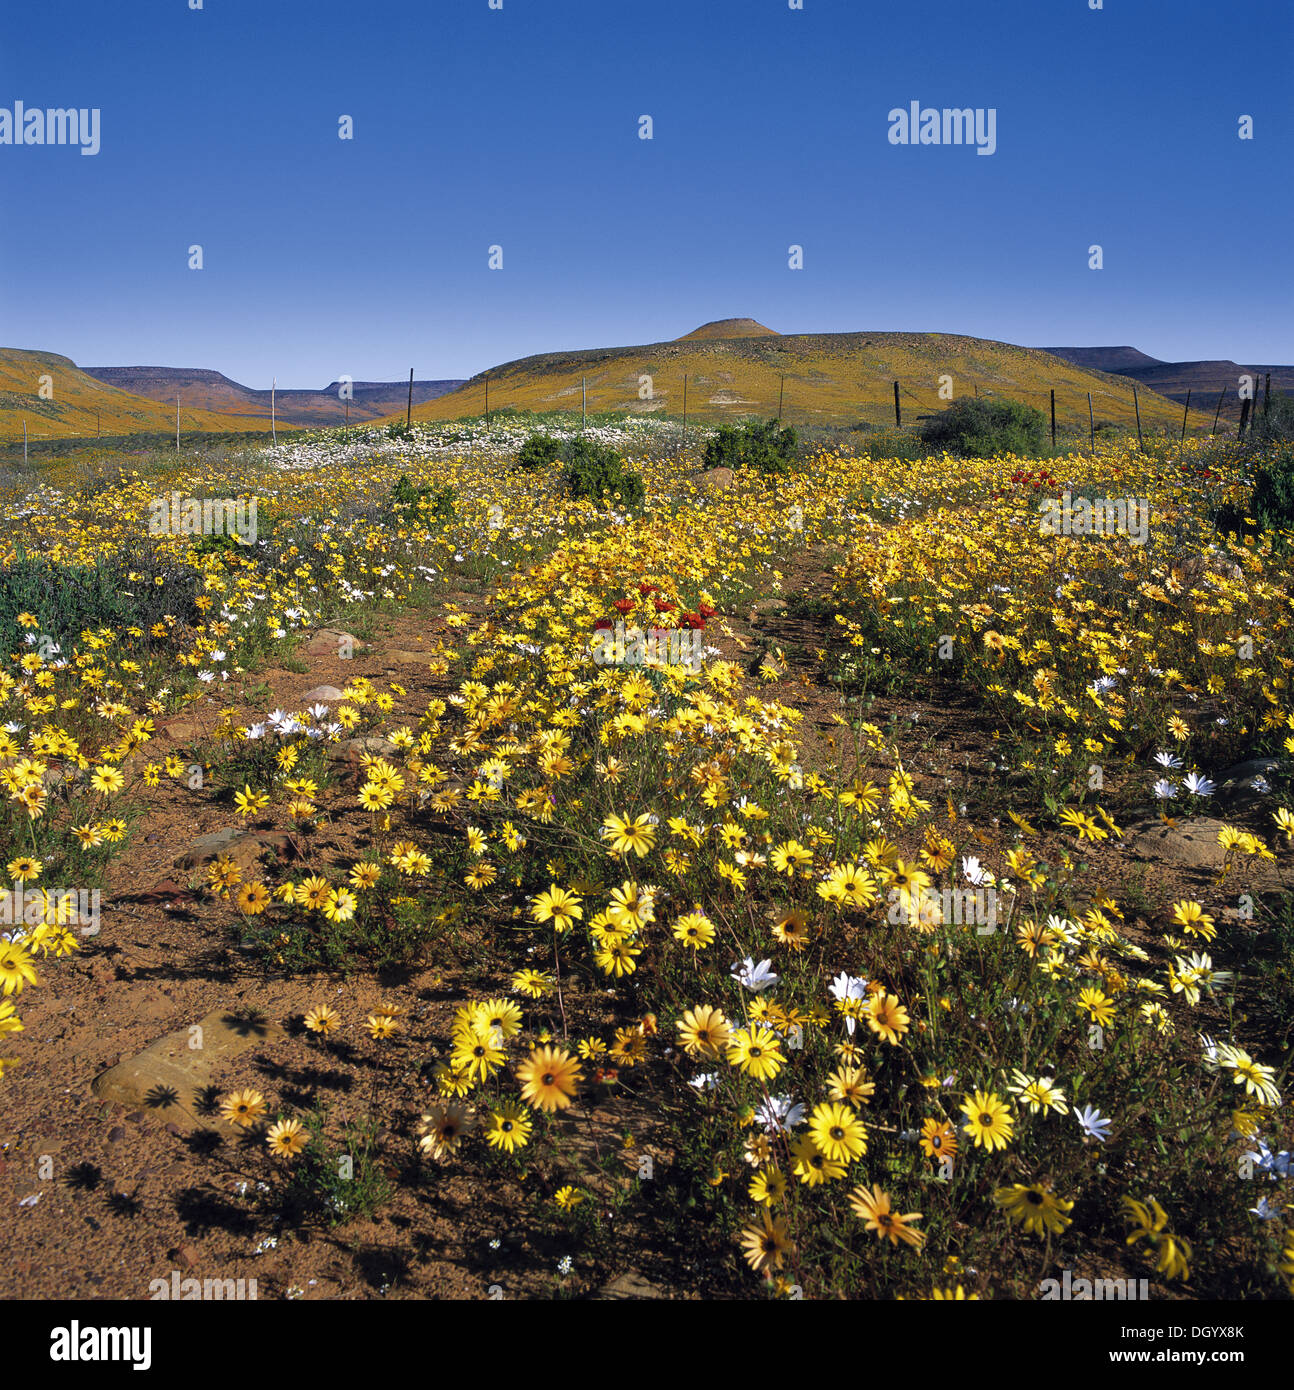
[322, 694]
[244, 847]
[332, 642]
[116, 1134]
[186, 1256]
[1193, 844]
[181, 731]
[769, 605]
[406, 658]
[1237, 783]
[351, 750]
[716, 479]
[169, 1075]
[629, 1285]
[65, 773]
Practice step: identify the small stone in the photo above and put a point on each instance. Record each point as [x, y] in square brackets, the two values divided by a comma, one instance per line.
[349, 750]
[171, 1074]
[716, 479]
[630, 1285]
[185, 1255]
[244, 847]
[116, 1134]
[1193, 844]
[331, 642]
[1237, 783]
[322, 694]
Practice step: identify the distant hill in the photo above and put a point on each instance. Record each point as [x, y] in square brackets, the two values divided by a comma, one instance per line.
[1204, 380]
[1105, 359]
[729, 328]
[826, 378]
[204, 389]
[81, 406]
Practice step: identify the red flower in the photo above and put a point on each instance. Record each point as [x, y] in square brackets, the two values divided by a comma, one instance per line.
[623, 605]
[663, 605]
[602, 625]
[705, 610]
[645, 589]
[694, 621]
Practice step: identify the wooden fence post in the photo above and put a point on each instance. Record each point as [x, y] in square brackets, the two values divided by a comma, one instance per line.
[1136, 405]
[1218, 411]
[1186, 412]
[1091, 422]
[1053, 417]
[898, 414]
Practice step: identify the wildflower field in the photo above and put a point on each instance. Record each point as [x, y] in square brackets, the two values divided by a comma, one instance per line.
[918, 927]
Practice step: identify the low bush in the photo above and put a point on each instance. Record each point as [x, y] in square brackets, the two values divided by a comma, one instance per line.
[766, 447]
[980, 428]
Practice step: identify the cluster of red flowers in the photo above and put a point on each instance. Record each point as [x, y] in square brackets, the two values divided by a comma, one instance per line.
[624, 606]
[1044, 476]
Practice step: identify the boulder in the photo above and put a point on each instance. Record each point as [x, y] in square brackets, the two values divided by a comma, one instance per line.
[332, 642]
[1192, 844]
[244, 847]
[170, 1075]
[716, 479]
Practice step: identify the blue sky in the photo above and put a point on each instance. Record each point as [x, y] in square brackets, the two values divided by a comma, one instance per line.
[519, 127]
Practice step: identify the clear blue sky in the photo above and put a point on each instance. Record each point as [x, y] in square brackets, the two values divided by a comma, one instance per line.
[519, 127]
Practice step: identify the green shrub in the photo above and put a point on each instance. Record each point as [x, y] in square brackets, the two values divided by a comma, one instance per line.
[411, 503]
[117, 592]
[332, 1181]
[538, 452]
[979, 428]
[595, 471]
[1272, 504]
[766, 447]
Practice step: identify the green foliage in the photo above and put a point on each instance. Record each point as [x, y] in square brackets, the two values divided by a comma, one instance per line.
[976, 427]
[538, 452]
[397, 429]
[117, 592]
[391, 930]
[595, 471]
[411, 503]
[334, 1181]
[1272, 505]
[217, 543]
[766, 447]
